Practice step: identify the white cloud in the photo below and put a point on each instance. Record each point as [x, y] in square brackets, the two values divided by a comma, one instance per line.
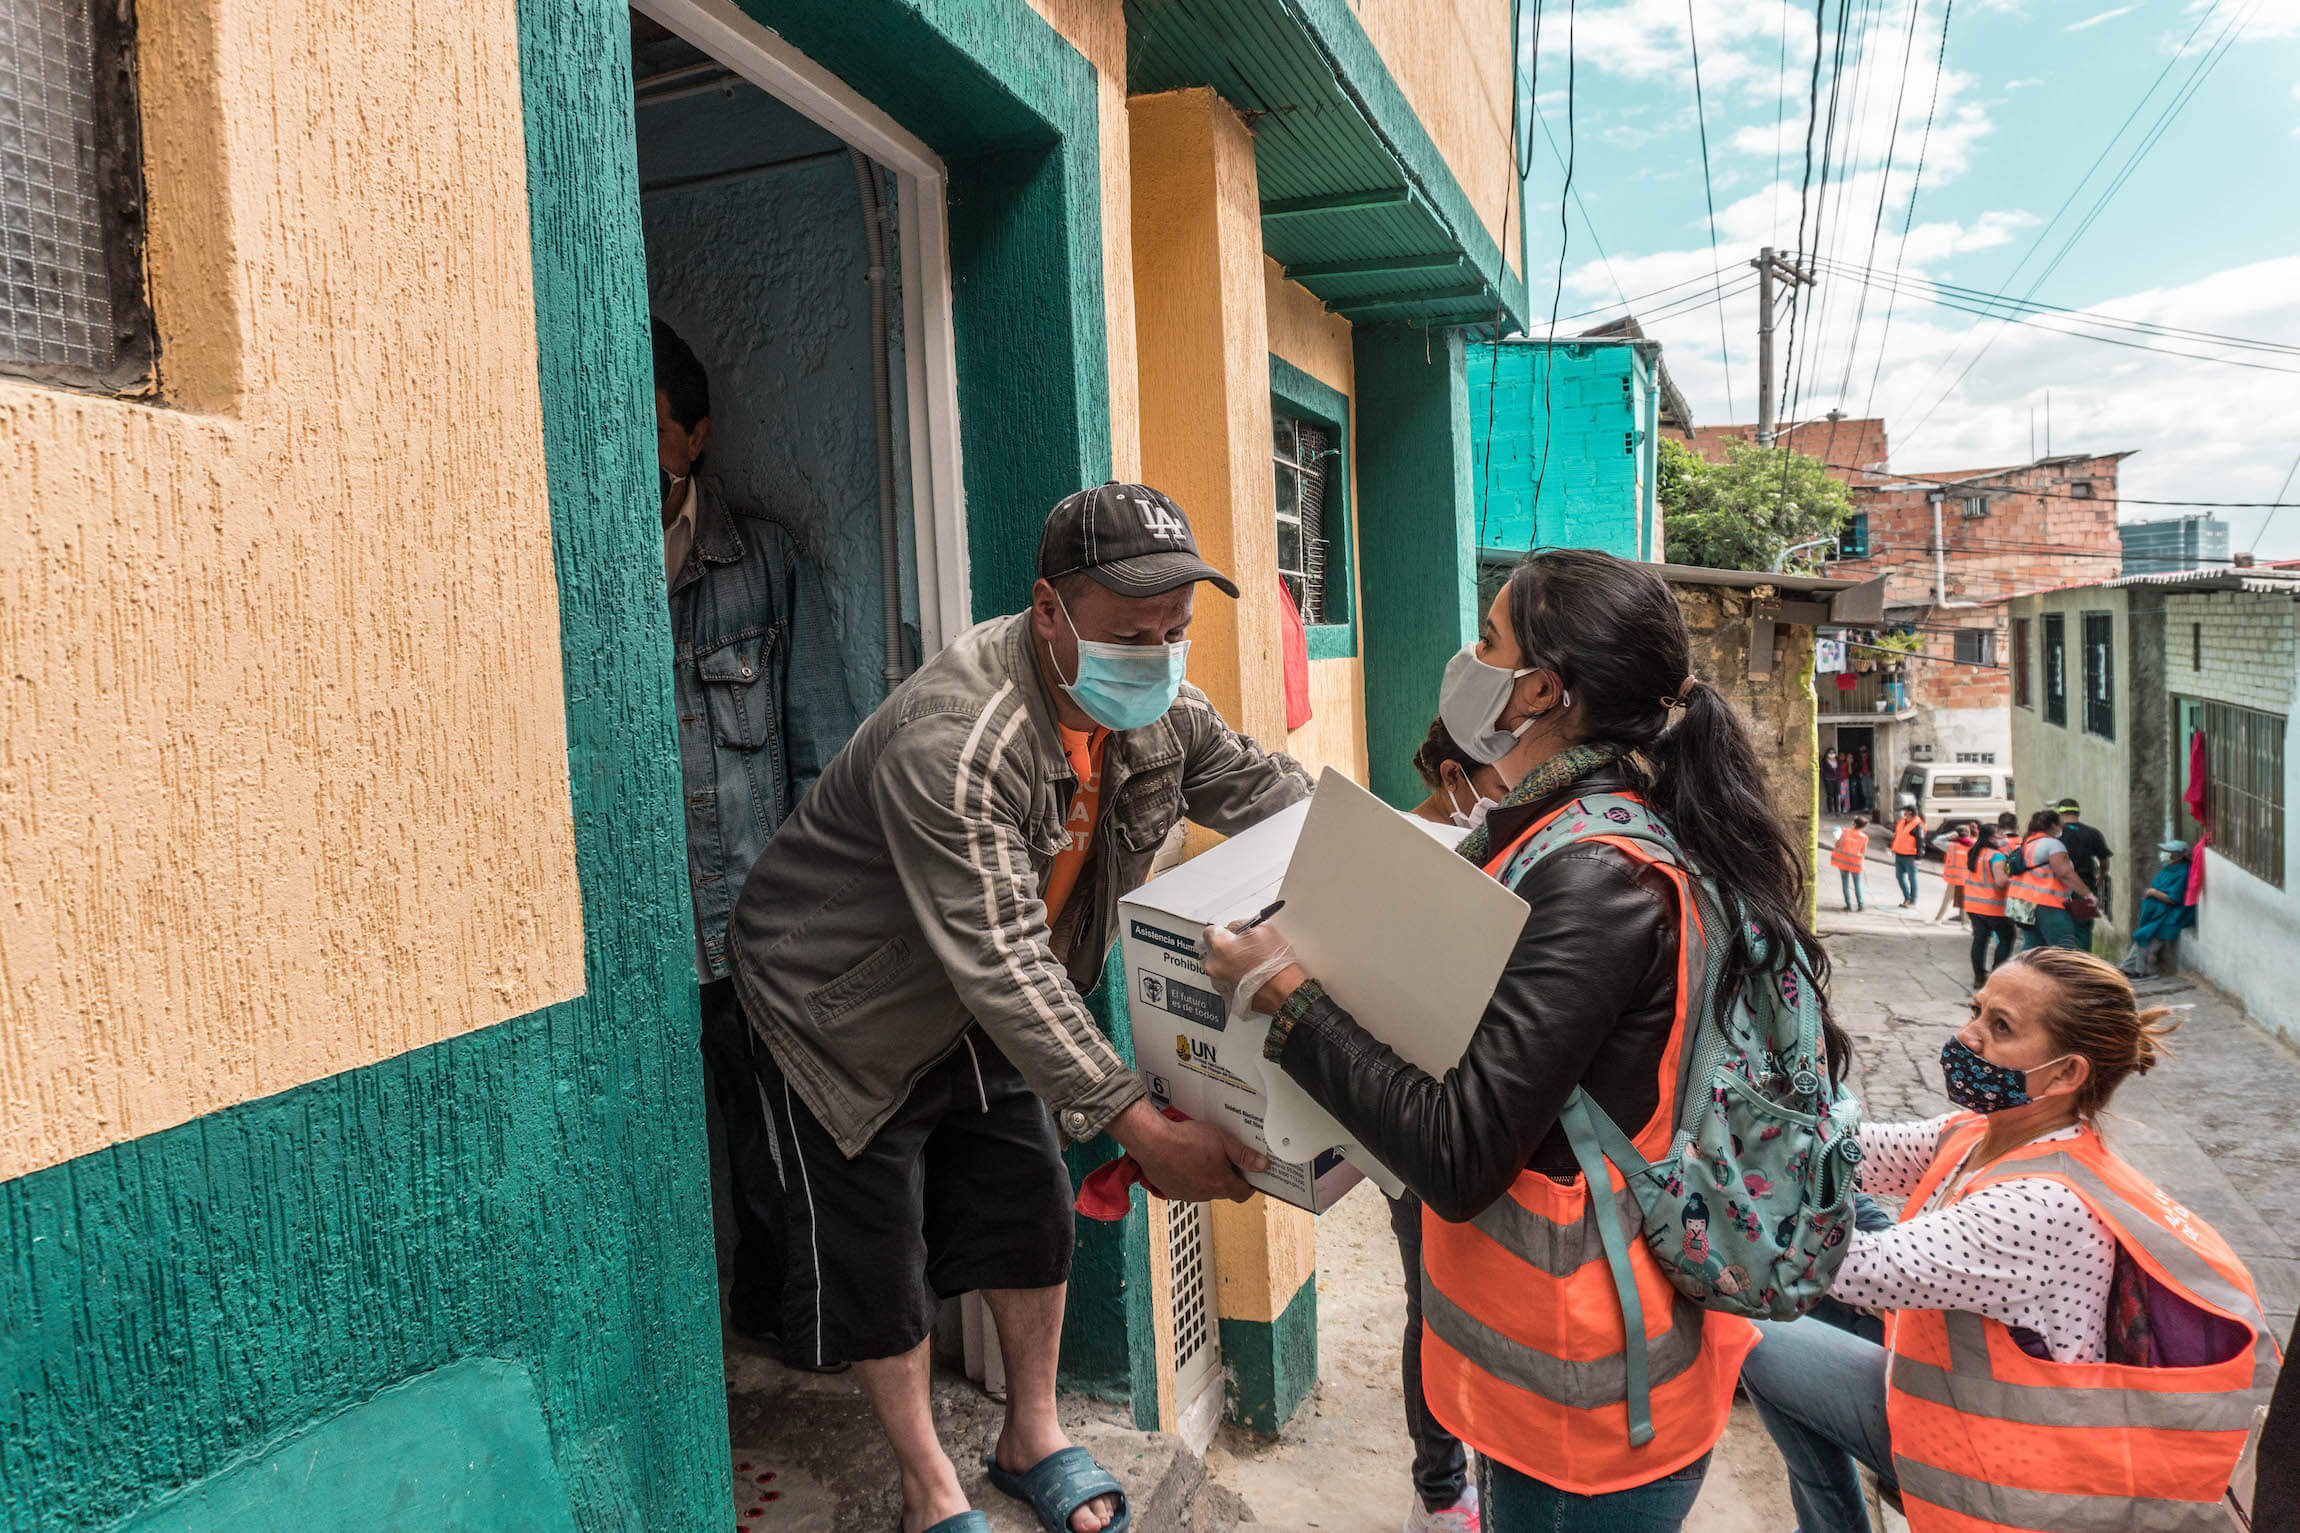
[2094, 21]
[2023, 84]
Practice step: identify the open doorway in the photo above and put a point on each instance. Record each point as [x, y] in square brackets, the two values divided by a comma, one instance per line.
[799, 300]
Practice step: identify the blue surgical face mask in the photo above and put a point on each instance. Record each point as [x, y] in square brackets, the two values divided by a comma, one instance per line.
[1124, 686]
[1980, 1086]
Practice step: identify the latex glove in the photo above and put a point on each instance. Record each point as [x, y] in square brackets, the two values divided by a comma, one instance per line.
[1252, 967]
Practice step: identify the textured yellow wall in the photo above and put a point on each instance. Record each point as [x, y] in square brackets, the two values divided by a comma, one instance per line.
[1451, 58]
[1302, 332]
[283, 764]
[1203, 346]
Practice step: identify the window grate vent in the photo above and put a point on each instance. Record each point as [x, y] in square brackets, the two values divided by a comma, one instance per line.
[70, 195]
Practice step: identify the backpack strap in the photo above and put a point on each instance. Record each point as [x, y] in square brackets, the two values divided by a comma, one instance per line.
[1594, 1136]
[1588, 1129]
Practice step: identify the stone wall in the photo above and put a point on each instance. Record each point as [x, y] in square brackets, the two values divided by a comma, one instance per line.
[1777, 711]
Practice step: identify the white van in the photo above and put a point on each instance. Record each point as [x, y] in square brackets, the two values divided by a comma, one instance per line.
[1952, 795]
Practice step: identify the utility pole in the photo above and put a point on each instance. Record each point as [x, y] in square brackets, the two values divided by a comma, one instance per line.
[1770, 268]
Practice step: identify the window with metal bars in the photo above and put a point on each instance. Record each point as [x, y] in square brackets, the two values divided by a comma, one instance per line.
[1305, 457]
[2055, 668]
[2243, 784]
[2100, 675]
[1976, 646]
[72, 309]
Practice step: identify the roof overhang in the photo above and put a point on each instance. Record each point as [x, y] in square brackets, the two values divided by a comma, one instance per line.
[1357, 202]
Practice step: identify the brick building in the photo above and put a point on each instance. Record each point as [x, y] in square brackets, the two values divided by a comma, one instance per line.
[2002, 532]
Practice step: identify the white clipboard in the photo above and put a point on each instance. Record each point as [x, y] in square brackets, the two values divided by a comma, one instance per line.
[1407, 937]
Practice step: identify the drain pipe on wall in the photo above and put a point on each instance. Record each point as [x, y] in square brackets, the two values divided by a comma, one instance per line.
[1941, 561]
[882, 403]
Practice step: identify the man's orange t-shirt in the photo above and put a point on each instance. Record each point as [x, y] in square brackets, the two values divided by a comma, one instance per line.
[1084, 748]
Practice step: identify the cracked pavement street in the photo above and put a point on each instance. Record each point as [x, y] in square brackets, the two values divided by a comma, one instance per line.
[2215, 1126]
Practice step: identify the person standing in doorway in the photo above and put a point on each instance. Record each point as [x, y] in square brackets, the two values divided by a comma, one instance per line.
[758, 721]
[2089, 855]
[1908, 842]
[1833, 781]
[1986, 875]
[1848, 857]
[914, 949]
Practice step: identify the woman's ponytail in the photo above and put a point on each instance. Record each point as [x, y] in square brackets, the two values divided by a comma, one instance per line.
[1615, 636]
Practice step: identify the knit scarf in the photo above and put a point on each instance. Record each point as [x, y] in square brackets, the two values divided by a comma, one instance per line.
[1567, 766]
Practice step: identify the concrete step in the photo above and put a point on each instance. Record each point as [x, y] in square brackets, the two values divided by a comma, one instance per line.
[809, 1456]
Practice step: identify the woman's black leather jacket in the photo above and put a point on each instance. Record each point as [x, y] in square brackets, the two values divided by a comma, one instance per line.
[1589, 997]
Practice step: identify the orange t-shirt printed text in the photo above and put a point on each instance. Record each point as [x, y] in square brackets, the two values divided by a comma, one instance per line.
[1084, 748]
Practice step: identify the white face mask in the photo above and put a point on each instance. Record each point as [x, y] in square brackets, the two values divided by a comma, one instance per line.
[1476, 813]
[1470, 700]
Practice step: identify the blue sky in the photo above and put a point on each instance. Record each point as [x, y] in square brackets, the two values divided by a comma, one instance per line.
[2203, 235]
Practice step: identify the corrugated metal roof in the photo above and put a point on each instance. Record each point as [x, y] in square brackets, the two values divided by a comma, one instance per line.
[2262, 579]
[1314, 138]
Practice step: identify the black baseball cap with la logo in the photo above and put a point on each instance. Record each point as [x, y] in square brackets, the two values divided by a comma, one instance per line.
[1128, 538]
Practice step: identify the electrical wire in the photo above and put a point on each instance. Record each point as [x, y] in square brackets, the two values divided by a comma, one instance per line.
[2142, 327]
[1523, 166]
[1709, 193]
[1564, 244]
[2181, 97]
[1884, 190]
[1909, 219]
[1915, 482]
[2272, 510]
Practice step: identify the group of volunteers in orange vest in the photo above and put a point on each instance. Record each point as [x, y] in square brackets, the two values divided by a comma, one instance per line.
[2042, 1340]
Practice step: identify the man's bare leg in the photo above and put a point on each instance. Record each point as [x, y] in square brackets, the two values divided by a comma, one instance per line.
[897, 1388]
[1030, 1341]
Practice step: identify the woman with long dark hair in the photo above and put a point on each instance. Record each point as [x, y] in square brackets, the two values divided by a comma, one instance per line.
[1580, 684]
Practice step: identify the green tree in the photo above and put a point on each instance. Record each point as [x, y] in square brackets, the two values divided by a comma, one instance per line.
[1740, 514]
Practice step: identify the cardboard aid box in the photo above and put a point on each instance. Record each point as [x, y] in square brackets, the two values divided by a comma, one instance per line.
[1180, 1023]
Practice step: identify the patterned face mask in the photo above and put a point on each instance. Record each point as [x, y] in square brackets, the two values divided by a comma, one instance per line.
[1979, 1086]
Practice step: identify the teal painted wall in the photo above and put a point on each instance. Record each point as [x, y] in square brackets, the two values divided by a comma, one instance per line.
[1593, 417]
[183, 1305]
[1417, 543]
[1273, 1363]
[534, 1193]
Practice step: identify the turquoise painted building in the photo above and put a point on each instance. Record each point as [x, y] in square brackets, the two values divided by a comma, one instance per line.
[1565, 441]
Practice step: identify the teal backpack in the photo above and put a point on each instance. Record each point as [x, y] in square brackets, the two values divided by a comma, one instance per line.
[1751, 1210]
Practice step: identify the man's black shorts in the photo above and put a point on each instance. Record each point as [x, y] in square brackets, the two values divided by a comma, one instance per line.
[962, 1188]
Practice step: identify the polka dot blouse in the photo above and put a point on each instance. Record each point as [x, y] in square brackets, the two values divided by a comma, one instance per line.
[2026, 1252]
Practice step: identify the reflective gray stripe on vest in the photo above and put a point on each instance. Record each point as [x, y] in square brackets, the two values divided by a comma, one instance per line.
[1580, 1385]
[2048, 1512]
[1968, 1385]
[1560, 1250]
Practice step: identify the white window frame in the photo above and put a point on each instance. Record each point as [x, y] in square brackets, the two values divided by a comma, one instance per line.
[938, 493]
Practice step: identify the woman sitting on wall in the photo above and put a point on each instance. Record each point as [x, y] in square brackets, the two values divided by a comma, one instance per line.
[2065, 1346]
[2164, 912]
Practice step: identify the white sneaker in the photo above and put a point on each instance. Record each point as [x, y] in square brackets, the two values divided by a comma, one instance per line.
[1461, 1517]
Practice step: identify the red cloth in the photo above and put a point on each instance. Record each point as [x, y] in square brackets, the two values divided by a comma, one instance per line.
[2196, 869]
[2199, 766]
[1296, 640]
[1107, 1193]
[1846, 681]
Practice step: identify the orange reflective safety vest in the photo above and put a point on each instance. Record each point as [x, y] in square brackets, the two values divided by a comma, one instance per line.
[1987, 1437]
[1983, 897]
[1954, 860]
[1905, 837]
[2039, 886]
[1524, 1348]
[1851, 849]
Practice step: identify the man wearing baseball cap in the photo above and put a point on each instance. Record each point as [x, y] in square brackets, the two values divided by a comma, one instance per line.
[912, 947]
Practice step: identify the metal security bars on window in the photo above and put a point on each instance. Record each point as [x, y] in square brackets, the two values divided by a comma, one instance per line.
[2055, 669]
[2100, 675]
[71, 196]
[1305, 456]
[2244, 784]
